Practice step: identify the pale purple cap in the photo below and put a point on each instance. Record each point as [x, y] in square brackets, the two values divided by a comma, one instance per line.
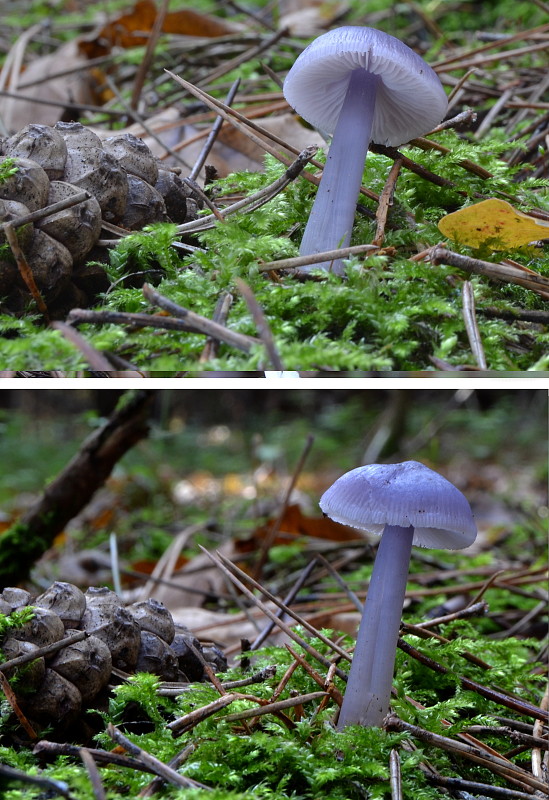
[410, 99]
[410, 493]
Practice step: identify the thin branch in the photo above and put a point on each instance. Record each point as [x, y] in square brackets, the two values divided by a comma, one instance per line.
[500, 272]
[212, 136]
[471, 324]
[25, 271]
[162, 770]
[95, 359]
[41, 213]
[316, 258]
[275, 527]
[260, 321]
[198, 323]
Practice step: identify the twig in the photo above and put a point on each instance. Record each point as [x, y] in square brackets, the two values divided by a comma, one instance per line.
[502, 272]
[471, 325]
[386, 200]
[316, 258]
[339, 580]
[290, 597]
[272, 708]
[202, 197]
[452, 97]
[394, 769]
[252, 52]
[467, 164]
[190, 720]
[256, 200]
[479, 789]
[166, 773]
[45, 747]
[198, 323]
[146, 61]
[488, 120]
[237, 573]
[324, 683]
[41, 213]
[521, 36]
[240, 341]
[45, 650]
[517, 704]
[498, 765]
[93, 772]
[512, 314]
[539, 765]
[218, 560]
[25, 271]
[504, 54]
[258, 677]
[174, 763]
[275, 527]
[515, 736]
[12, 700]
[220, 315]
[260, 321]
[476, 609]
[212, 136]
[51, 785]
[95, 359]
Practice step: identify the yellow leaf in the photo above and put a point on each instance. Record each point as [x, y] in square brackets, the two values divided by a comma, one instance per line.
[493, 223]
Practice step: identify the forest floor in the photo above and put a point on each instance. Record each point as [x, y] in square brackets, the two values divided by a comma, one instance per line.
[470, 698]
[217, 293]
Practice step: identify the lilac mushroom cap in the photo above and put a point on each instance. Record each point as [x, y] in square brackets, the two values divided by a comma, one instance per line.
[362, 85]
[408, 504]
[410, 493]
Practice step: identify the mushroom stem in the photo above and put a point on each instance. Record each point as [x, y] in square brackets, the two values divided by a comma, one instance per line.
[331, 220]
[366, 700]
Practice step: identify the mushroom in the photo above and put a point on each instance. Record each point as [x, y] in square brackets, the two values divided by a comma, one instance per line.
[407, 504]
[361, 85]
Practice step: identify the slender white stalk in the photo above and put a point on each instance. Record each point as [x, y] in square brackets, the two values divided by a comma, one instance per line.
[331, 220]
[368, 692]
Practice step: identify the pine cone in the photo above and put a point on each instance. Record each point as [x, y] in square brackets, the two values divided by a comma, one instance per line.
[127, 188]
[137, 638]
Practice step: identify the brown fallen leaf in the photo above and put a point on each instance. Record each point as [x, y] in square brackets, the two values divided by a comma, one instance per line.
[129, 30]
[295, 522]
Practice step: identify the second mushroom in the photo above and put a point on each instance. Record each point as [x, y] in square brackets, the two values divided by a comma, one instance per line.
[407, 504]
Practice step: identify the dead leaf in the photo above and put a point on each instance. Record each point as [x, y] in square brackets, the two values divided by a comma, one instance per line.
[129, 30]
[295, 522]
[74, 87]
[308, 18]
[493, 223]
[284, 126]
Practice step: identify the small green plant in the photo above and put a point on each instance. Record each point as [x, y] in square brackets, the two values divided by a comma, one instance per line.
[8, 168]
[16, 619]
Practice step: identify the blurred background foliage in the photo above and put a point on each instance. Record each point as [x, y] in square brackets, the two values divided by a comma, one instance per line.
[223, 457]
